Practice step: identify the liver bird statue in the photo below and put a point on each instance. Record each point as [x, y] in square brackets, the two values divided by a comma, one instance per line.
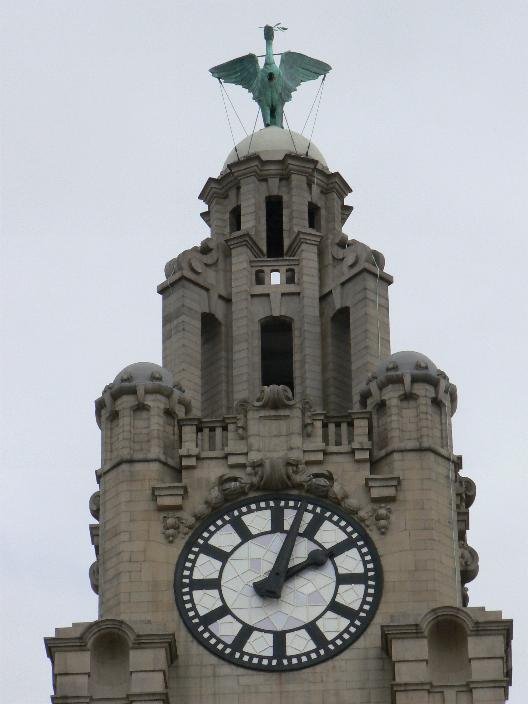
[271, 86]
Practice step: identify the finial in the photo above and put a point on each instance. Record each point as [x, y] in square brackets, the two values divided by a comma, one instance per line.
[270, 85]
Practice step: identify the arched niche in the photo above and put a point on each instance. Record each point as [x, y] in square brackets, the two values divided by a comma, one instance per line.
[447, 642]
[109, 665]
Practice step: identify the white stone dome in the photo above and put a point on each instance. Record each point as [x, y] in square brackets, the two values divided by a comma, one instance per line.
[144, 373]
[272, 143]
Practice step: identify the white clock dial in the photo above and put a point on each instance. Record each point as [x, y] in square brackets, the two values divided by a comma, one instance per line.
[317, 609]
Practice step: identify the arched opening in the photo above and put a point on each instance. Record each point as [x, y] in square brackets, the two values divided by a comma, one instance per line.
[448, 652]
[275, 278]
[274, 227]
[109, 666]
[276, 352]
[235, 219]
[290, 276]
[339, 399]
[212, 367]
[260, 277]
[314, 217]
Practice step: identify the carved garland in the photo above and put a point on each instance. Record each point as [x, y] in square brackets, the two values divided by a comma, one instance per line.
[277, 474]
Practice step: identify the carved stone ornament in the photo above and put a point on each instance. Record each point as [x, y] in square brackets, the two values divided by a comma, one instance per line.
[274, 396]
[280, 473]
[194, 260]
[93, 574]
[241, 408]
[95, 504]
[275, 473]
[469, 567]
[469, 562]
[175, 525]
[466, 492]
[353, 253]
[307, 417]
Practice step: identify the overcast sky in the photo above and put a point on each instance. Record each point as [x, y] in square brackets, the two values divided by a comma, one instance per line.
[112, 124]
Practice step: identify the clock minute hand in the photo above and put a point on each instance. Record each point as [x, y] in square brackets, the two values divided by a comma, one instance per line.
[271, 586]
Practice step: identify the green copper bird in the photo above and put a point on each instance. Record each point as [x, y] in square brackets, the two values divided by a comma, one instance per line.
[271, 85]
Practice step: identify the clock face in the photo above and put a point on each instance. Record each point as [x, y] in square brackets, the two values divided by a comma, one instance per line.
[278, 582]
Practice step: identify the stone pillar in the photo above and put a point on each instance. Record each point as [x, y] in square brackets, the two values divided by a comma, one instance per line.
[369, 325]
[306, 247]
[183, 304]
[243, 248]
[298, 204]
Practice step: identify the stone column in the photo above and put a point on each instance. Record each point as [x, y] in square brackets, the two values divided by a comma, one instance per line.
[306, 246]
[183, 304]
[243, 248]
[369, 325]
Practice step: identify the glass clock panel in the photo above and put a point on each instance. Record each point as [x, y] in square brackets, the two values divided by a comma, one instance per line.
[278, 582]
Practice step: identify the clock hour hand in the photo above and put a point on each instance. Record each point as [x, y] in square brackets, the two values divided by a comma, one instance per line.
[315, 558]
[271, 586]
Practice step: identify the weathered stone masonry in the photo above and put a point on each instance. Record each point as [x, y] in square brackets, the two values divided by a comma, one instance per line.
[365, 429]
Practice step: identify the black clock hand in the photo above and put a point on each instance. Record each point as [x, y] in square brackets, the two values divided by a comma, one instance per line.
[271, 586]
[315, 558]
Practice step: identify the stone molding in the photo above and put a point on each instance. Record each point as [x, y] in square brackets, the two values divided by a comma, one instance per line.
[420, 373]
[169, 496]
[262, 169]
[382, 488]
[309, 237]
[112, 392]
[244, 238]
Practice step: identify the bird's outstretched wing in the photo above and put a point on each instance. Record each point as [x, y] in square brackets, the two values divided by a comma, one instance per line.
[242, 71]
[297, 68]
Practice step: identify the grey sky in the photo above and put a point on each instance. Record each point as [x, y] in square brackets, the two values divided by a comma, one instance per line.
[111, 125]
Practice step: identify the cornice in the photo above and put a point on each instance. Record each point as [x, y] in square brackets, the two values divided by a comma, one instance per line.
[311, 237]
[243, 238]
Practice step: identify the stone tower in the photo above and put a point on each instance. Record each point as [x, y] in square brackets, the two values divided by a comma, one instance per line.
[279, 413]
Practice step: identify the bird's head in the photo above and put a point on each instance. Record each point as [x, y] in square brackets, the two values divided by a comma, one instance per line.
[269, 33]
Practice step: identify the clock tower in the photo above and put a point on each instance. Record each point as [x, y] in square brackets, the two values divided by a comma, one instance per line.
[280, 515]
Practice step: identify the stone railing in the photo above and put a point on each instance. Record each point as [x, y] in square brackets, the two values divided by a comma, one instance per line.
[347, 433]
[219, 437]
[272, 272]
[202, 438]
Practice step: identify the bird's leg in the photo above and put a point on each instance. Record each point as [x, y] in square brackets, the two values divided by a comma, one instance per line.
[265, 114]
[278, 115]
